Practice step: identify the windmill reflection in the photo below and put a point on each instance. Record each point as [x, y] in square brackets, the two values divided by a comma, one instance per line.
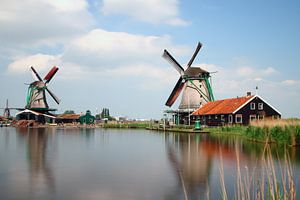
[192, 158]
[40, 172]
[191, 164]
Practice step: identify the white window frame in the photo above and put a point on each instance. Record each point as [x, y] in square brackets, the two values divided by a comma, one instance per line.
[252, 106]
[239, 116]
[252, 118]
[230, 119]
[222, 118]
[260, 106]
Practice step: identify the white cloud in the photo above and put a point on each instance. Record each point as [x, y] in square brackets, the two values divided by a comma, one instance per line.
[105, 54]
[245, 71]
[290, 82]
[67, 5]
[40, 62]
[146, 77]
[255, 73]
[152, 11]
[105, 49]
[269, 71]
[33, 22]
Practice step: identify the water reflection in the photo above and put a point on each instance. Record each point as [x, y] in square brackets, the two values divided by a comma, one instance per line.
[191, 164]
[62, 163]
[41, 176]
[196, 161]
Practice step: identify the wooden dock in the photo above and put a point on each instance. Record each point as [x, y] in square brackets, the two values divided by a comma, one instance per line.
[177, 130]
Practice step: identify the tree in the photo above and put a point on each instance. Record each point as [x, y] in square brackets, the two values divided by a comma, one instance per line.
[69, 112]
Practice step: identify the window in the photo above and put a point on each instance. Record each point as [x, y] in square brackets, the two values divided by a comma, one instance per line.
[252, 118]
[216, 116]
[209, 117]
[222, 118]
[260, 106]
[260, 117]
[252, 106]
[275, 117]
[229, 118]
[238, 118]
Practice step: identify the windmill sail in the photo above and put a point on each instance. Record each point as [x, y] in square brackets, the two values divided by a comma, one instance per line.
[193, 82]
[36, 96]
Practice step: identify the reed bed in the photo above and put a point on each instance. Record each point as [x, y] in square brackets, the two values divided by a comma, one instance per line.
[269, 180]
[282, 131]
[276, 123]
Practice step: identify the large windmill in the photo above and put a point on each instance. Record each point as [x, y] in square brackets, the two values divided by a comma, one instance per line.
[195, 84]
[36, 95]
[36, 107]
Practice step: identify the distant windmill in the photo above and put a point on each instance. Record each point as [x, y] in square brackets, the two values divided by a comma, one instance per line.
[6, 109]
[36, 96]
[194, 82]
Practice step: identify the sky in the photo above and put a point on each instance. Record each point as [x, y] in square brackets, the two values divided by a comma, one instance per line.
[109, 52]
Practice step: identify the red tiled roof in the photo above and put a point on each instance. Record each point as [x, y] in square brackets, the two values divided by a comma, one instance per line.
[69, 116]
[225, 106]
[3, 118]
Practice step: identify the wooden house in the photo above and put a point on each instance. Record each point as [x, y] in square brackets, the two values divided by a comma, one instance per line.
[239, 110]
[68, 118]
[28, 114]
[88, 118]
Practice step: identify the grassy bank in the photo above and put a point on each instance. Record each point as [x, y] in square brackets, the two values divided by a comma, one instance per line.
[134, 125]
[277, 131]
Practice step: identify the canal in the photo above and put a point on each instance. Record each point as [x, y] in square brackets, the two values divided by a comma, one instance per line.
[57, 163]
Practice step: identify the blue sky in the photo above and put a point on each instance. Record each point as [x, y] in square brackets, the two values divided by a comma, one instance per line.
[109, 51]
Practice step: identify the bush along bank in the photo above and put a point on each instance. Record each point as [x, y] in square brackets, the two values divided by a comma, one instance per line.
[289, 134]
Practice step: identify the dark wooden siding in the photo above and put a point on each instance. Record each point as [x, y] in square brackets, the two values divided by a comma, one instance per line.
[245, 112]
[266, 112]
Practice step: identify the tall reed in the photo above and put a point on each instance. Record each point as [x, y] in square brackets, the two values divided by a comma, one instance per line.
[268, 181]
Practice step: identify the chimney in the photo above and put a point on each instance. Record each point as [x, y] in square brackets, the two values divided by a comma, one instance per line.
[248, 94]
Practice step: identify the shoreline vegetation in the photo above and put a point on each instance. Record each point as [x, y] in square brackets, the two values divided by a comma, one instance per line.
[280, 131]
[283, 131]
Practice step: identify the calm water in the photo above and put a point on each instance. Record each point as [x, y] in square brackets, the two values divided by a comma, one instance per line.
[123, 164]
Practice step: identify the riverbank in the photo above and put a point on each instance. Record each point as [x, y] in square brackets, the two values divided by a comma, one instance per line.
[272, 131]
[284, 131]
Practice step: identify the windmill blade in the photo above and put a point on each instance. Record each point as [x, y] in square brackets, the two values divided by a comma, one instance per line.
[36, 74]
[194, 55]
[33, 76]
[173, 62]
[50, 74]
[53, 96]
[175, 93]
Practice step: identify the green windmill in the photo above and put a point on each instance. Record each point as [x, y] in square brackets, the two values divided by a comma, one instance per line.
[36, 95]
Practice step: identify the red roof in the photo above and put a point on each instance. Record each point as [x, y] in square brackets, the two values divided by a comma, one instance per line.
[3, 118]
[69, 116]
[225, 106]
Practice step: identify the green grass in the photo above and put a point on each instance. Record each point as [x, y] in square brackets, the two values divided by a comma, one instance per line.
[288, 134]
[127, 125]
